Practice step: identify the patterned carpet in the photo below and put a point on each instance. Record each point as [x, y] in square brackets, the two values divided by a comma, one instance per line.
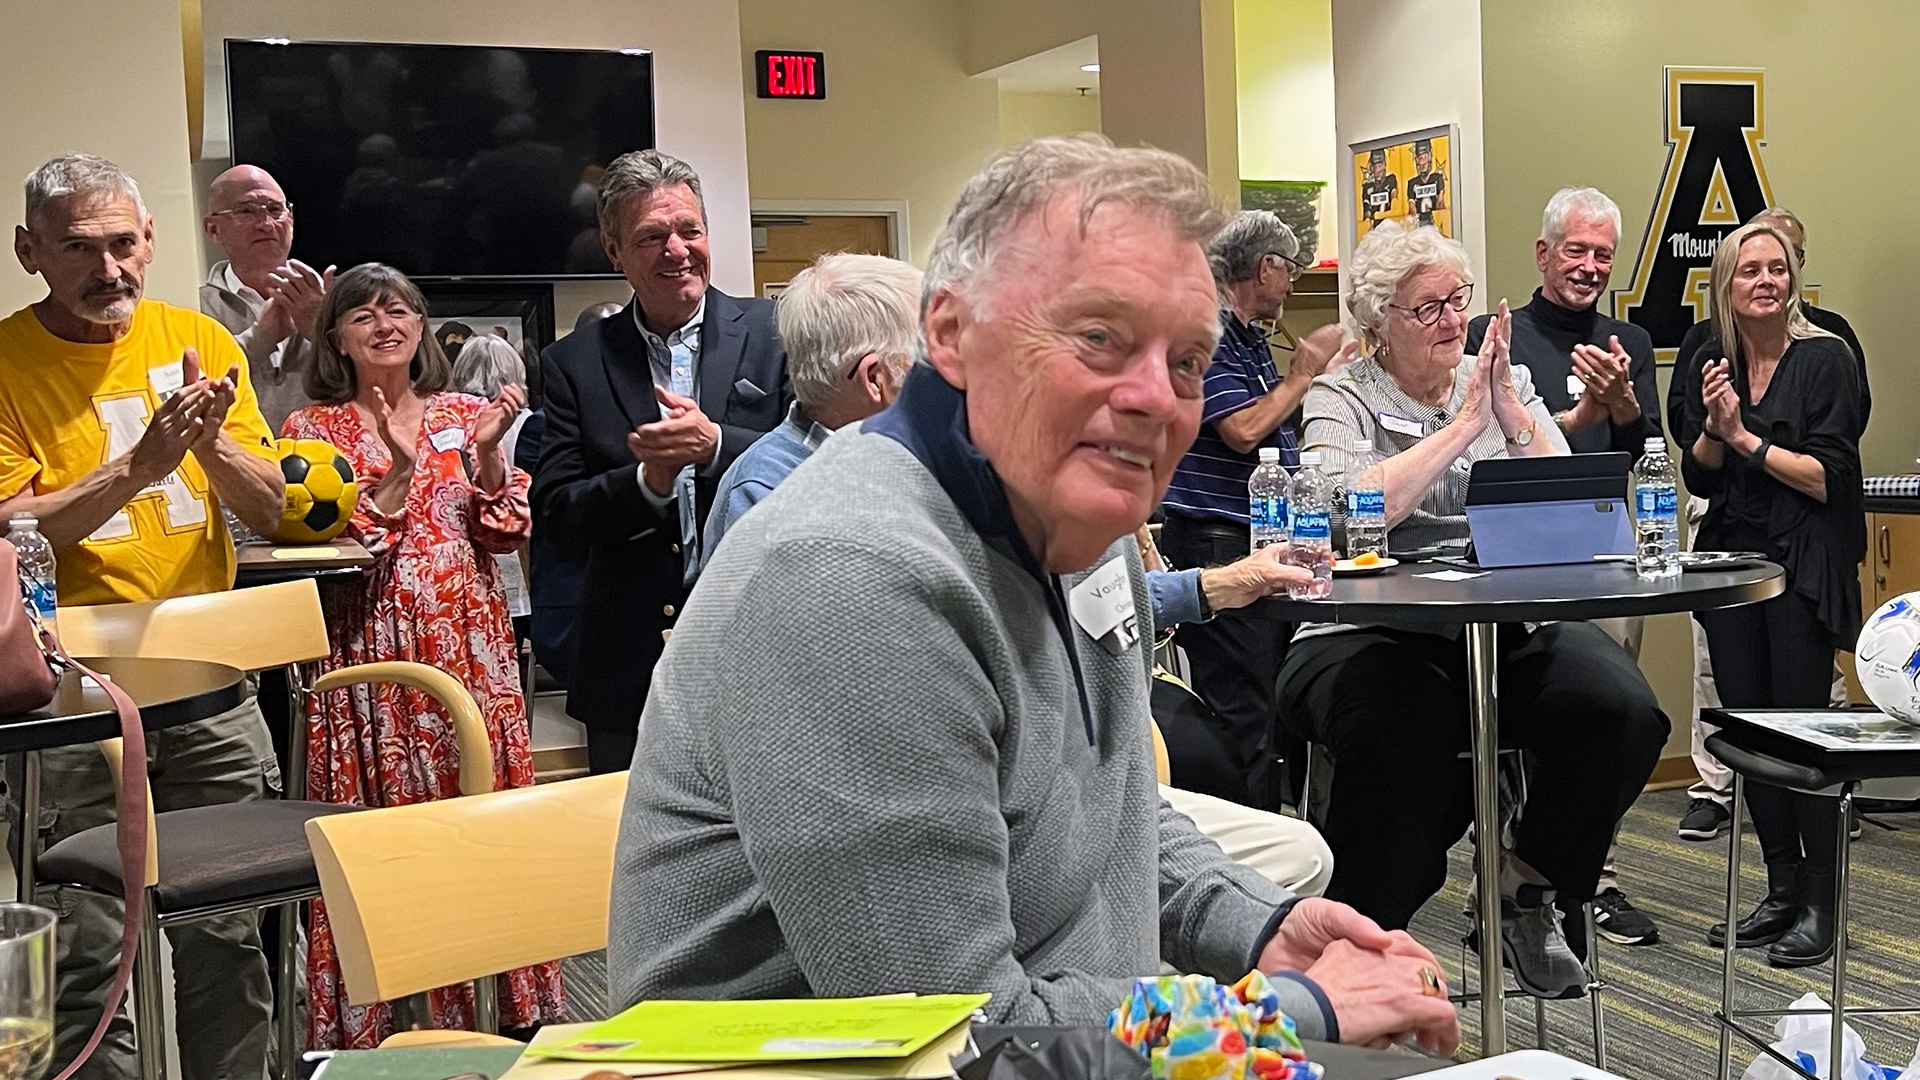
[1661, 997]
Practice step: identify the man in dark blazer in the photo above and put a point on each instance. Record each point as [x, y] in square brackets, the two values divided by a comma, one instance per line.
[645, 410]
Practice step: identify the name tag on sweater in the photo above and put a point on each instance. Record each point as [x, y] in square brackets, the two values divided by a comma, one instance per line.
[446, 439]
[1401, 425]
[1103, 606]
[1575, 387]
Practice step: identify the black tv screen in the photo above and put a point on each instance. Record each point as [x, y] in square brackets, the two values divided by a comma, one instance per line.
[441, 160]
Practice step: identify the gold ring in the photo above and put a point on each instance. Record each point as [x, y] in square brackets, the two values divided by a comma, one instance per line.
[1430, 982]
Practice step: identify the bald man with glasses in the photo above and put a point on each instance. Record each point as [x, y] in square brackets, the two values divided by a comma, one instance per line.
[264, 297]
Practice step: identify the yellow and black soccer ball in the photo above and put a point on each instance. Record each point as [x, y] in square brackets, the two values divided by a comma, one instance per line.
[321, 492]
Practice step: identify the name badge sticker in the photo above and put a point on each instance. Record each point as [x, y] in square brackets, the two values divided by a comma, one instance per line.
[167, 379]
[1575, 387]
[1103, 606]
[446, 439]
[1401, 425]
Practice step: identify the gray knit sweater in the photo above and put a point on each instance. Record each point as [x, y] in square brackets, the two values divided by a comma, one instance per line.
[863, 769]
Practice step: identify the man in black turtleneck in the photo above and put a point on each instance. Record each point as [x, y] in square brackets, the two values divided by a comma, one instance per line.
[1596, 375]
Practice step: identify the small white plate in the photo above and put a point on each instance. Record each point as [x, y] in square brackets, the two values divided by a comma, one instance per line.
[1345, 566]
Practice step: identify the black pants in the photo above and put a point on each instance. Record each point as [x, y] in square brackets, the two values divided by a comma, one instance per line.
[1236, 656]
[1777, 654]
[1390, 706]
[610, 751]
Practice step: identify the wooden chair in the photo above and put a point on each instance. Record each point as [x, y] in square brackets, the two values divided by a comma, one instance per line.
[460, 890]
[218, 860]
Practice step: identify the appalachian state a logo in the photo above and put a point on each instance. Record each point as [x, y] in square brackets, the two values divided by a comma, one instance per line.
[1714, 181]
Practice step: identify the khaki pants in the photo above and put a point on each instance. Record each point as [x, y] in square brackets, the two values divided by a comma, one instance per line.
[223, 996]
[1286, 851]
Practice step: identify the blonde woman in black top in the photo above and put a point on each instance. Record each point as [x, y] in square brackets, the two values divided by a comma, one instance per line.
[1772, 436]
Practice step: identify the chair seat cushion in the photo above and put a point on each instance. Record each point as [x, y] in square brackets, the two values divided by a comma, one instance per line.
[208, 854]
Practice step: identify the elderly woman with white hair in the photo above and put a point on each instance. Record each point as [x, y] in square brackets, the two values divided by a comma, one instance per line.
[488, 364]
[1390, 703]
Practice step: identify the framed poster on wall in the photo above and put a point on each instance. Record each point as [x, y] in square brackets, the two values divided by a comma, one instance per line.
[1406, 176]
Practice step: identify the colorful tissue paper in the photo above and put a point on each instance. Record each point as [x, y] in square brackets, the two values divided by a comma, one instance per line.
[1190, 1027]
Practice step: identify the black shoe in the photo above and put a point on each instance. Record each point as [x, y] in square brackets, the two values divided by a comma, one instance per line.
[1775, 915]
[1620, 922]
[1810, 940]
[1704, 820]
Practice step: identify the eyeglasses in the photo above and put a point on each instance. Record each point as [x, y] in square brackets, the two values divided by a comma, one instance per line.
[1294, 266]
[1429, 313]
[255, 213]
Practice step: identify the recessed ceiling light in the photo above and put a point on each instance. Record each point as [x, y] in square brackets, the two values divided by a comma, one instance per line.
[1089, 67]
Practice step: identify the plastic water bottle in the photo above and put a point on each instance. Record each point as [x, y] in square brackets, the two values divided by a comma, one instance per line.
[1267, 500]
[36, 565]
[1656, 517]
[1366, 503]
[1312, 546]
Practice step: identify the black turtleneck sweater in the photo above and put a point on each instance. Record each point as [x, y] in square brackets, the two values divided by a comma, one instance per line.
[1544, 334]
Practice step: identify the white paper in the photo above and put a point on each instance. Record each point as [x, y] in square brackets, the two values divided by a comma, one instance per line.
[1401, 425]
[446, 439]
[1453, 575]
[1103, 606]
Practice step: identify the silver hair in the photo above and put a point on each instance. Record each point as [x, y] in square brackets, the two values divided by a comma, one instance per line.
[642, 172]
[840, 309]
[488, 362]
[78, 174]
[1383, 259]
[1586, 201]
[1244, 241]
[1024, 180]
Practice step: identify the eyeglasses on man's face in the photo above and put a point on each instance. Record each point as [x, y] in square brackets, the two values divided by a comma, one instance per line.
[1429, 313]
[255, 213]
[1294, 266]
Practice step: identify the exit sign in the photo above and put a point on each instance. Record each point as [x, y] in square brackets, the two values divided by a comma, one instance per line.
[780, 74]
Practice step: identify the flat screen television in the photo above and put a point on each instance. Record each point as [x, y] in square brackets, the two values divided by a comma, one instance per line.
[441, 160]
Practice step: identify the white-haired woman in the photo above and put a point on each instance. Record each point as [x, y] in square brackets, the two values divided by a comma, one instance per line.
[1771, 428]
[1390, 703]
[487, 365]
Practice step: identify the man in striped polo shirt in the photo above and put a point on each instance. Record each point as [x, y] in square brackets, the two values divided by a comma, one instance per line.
[1235, 655]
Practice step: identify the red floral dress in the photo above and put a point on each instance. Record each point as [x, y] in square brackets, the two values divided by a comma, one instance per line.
[432, 595]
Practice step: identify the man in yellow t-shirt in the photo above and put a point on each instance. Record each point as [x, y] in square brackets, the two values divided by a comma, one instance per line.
[125, 424]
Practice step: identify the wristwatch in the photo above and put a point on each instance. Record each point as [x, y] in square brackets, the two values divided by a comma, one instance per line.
[1524, 436]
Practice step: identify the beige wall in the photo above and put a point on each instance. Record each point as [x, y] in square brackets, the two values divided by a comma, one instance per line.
[902, 119]
[1841, 98]
[1026, 115]
[997, 32]
[1284, 62]
[133, 112]
[1167, 80]
[1402, 65]
[697, 86]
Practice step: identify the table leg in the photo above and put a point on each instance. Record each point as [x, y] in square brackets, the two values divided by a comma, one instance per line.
[1483, 704]
[1733, 921]
[26, 846]
[1843, 846]
[297, 723]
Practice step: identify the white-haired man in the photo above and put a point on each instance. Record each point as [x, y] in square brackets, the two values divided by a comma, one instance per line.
[1248, 405]
[113, 438]
[1596, 375]
[259, 291]
[899, 741]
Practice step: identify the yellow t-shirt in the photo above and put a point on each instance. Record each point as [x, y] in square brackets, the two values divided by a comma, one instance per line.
[67, 408]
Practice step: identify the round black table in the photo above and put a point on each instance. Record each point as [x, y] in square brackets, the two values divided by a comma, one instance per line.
[168, 692]
[1405, 595]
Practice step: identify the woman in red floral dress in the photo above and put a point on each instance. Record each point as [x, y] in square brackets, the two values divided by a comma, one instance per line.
[438, 499]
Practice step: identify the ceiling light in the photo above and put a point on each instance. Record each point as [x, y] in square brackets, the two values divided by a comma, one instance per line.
[1089, 67]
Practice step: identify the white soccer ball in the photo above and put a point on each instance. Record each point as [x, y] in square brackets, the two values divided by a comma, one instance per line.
[1887, 658]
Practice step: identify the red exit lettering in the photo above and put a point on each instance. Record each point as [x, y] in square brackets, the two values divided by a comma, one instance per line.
[791, 75]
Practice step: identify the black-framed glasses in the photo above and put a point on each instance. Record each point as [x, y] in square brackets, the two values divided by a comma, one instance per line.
[1294, 266]
[252, 213]
[1429, 313]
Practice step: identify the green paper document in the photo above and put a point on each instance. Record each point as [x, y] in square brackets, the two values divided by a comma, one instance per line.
[807, 1029]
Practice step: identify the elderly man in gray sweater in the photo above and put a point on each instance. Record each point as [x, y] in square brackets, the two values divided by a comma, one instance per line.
[899, 741]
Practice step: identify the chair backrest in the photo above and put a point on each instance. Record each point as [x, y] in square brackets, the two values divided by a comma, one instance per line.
[445, 892]
[251, 629]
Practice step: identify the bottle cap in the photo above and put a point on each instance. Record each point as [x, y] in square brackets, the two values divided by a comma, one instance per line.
[1310, 457]
[1269, 455]
[1363, 446]
[23, 520]
[1656, 442]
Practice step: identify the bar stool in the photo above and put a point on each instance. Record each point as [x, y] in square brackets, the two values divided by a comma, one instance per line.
[1816, 756]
